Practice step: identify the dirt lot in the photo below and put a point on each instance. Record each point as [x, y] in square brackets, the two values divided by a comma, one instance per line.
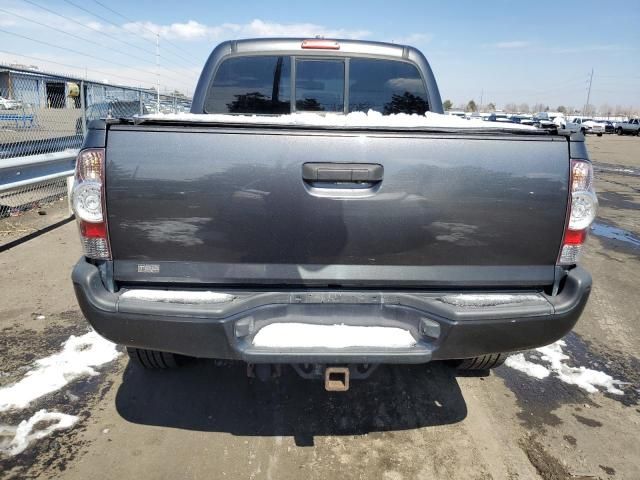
[209, 421]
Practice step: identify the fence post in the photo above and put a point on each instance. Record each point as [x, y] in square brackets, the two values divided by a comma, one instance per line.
[83, 107]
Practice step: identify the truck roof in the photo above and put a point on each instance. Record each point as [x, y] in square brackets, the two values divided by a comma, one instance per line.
[346, 46]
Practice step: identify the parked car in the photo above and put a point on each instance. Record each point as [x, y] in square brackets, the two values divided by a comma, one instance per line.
[330, 246]
[630, 127]
[9, 104]
[111, 109]
[608, 126]
[544, 121]
[498, 117]
[521, 119]
[584, 126]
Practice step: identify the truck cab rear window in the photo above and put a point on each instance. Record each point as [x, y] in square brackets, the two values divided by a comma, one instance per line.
[386, 86]
[262, 85]
[259, 85]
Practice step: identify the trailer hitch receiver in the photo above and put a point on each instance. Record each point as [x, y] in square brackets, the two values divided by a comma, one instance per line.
[336, 379]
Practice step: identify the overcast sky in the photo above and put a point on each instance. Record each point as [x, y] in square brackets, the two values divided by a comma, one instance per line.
[531, 52]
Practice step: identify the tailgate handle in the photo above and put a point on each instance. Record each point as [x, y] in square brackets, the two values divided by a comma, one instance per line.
[342, 172]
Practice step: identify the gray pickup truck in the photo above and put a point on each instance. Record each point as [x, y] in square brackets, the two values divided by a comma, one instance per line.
[332, 248]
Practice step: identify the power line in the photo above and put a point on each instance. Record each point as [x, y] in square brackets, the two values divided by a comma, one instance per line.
[31, 2]
[91, 13]
[77, 77]
[77, 52]
[76, 67]
[127, 54]
[88, 27]
[104, 19]
[147, 29]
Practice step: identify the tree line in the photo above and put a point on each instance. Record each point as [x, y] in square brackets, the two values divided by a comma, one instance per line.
[604, 110]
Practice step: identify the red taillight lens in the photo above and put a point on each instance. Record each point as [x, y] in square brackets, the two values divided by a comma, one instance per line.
[320, 44]
[88, 203]
[575, 237]
[93, 230]
[583, 206]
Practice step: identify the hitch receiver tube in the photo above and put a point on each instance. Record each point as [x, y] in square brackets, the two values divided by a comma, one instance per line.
[336, 379]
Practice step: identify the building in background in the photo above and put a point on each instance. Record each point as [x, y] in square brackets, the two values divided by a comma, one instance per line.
[38, 90]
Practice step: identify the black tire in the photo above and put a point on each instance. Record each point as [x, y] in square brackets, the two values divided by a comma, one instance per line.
[152, 359]
[599, 134]
[583, 132]
[619, 131]
[483, 362]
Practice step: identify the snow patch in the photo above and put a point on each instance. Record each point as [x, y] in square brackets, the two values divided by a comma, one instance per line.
[29, 430]
[177, 296]
[78, 358]
[585, 378]
[304, 335]
[488, 299]
[354, 119]
[523, 365]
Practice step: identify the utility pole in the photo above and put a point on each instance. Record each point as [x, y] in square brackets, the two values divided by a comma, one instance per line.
[158, 71]
[481, 98]
[586, 105]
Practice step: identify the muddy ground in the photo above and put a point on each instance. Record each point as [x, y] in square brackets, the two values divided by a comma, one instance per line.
[210, 421]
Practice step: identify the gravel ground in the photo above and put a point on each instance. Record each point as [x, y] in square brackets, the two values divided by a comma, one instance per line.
[210, 421]
[25, 223]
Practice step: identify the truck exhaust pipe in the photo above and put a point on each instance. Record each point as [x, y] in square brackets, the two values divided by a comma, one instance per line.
[336, 379]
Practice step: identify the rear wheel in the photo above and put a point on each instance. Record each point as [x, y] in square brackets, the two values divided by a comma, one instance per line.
[152, 359]
[599, 134]
[483, 362]
[619, 131]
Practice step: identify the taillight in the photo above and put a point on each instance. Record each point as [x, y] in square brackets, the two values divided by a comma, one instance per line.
[87, 199]
[583, 206]
[320, 44]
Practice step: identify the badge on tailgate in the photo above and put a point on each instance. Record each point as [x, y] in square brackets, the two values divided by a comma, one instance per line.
[148, 268]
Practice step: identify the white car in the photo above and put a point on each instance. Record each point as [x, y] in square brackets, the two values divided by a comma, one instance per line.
[8, 104]
[585, 125]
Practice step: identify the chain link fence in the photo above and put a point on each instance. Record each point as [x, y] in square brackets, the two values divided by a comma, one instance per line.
[43, 120]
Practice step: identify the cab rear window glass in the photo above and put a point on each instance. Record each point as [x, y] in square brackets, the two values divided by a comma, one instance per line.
[262, 85]
[258, 84]
[386, 86]
[320, 85]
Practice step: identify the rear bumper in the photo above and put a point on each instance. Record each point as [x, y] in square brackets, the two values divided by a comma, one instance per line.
[443, 328]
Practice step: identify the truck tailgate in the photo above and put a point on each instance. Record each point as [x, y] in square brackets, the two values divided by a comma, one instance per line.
[223, 205]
